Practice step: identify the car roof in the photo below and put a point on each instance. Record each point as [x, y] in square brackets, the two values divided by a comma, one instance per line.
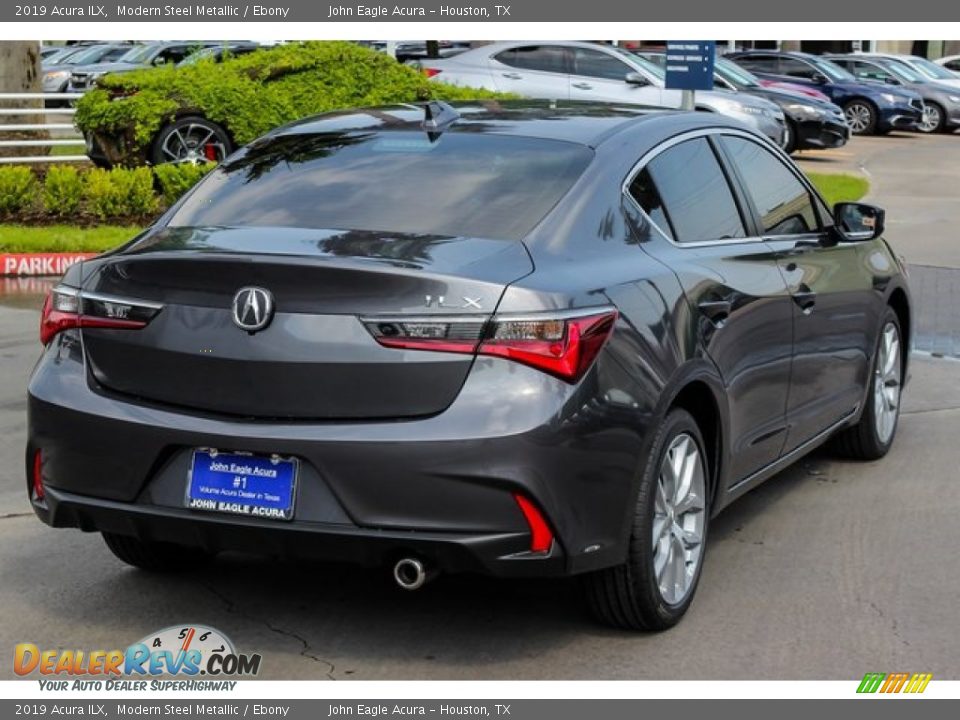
[585, 123]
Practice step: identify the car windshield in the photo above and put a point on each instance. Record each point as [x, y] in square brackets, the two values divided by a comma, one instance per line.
[834, 72]
[930, 69]
[733, 73]
[194, 58]
[904, 73]
[91, 55]
[462, 183]
[140, 54]
[650, 67]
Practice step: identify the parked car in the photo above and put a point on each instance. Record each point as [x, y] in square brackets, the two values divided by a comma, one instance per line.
[941, 102]
[869, 109]
[593, 73]
[518, 338]
[151, 54]
[811, 124]
[58, 53]
[951, 62]
[927, 68]
[56, 75]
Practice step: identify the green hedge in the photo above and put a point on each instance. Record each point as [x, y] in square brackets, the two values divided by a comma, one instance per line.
[254, 93]
[66, 193]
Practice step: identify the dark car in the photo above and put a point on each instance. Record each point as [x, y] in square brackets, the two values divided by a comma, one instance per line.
[869, 109]
[809, 124]
[151, 54]
[941, 102]
[526, 338]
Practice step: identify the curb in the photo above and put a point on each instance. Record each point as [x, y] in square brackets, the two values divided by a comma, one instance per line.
[38, 264]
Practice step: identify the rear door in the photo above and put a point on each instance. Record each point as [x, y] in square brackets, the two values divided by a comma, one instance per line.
[742, 312]
[831, 285]
[601, 77]
[534, 71]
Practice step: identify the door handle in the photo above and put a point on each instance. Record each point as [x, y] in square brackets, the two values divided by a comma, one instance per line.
[805, 298]
[512, 76]
[717, 311]
[582, 86]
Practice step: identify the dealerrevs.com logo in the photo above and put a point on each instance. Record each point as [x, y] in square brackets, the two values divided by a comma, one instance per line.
[187, 651]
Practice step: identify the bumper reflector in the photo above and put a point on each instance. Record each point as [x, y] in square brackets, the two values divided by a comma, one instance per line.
[38, 492]
[541, 536]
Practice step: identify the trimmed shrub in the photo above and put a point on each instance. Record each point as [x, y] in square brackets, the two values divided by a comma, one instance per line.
[18, 187]
[251, 94]
[120, 192]
[62, 190]
[176, 178]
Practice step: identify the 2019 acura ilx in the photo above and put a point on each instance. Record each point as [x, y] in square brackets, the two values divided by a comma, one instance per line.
[516, 338]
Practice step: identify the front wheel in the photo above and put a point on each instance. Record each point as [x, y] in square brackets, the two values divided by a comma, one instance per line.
[871, 438]
[191, 140]
[933, 118]
[654, 587]
[861, 117]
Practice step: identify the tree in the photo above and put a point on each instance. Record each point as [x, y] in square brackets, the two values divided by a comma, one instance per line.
[20, 73]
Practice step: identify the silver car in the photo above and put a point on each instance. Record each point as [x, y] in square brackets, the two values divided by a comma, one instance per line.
[590, 72]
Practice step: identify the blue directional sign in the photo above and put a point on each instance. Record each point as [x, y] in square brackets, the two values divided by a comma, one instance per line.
[690, 64]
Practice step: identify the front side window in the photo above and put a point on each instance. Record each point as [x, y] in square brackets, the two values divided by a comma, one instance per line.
[759, 63]
[784, 204]
[542, 58]
[685, 191]
[592, 63]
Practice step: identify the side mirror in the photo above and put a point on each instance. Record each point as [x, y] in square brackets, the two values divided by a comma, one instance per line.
[858, 222]
[820, 78]
[635, 79]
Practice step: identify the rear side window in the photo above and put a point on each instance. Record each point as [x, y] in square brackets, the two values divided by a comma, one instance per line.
[596, 64]
[467, 183]
[784, 204]
[686, 186]
[544, 58]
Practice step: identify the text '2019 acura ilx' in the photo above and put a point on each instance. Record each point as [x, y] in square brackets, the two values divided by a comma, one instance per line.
[516, 338]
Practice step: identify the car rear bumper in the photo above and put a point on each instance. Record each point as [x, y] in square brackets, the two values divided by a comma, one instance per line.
[441, 487]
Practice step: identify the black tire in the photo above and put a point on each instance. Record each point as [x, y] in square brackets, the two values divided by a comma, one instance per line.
[790, 137]
[866, 124]
[941, 119]
[154, 556]
[628, 596]
[863, 441]
[175, 141]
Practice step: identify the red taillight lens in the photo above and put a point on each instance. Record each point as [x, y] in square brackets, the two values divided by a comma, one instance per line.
[38, 492]
[66, 308]
[430, 72]
[565, 348]
[541, 536]
[562, 345]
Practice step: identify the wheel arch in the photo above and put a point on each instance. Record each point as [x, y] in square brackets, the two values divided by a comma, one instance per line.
[900, 304]
[700, 398]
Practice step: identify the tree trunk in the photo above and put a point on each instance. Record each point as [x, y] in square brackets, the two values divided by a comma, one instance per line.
[20, 73]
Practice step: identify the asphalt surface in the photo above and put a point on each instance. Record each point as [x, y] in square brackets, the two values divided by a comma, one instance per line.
[829, 570]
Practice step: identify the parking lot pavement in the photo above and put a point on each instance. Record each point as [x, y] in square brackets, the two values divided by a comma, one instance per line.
[916, 178]
[830, 569]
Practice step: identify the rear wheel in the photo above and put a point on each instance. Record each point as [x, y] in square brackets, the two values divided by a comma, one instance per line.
[191, 140]
[871, 438]
[861, 117]
[654, 587]
[154, 556]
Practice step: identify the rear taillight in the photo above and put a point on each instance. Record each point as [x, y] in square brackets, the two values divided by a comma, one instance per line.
[67, 307]
[430, 72]
[564, 345]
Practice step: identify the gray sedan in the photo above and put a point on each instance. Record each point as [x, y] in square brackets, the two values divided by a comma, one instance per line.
[941, 111]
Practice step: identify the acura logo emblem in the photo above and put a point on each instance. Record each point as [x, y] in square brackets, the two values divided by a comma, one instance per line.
[252, 308]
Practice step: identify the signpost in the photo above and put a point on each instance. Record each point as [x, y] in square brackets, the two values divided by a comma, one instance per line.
[690, 68]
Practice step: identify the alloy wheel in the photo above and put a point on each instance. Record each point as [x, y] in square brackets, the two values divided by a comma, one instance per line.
[679, 518]
[887, 383]
[195, 143]
[931, 119]
[859, 117]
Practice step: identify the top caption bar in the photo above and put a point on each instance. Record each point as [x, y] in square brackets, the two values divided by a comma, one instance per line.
[505, 11]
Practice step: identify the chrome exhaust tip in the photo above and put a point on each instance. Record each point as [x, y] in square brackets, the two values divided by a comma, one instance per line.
[411, 574]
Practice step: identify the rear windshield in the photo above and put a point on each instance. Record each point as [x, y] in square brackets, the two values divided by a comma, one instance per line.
[461, 183]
